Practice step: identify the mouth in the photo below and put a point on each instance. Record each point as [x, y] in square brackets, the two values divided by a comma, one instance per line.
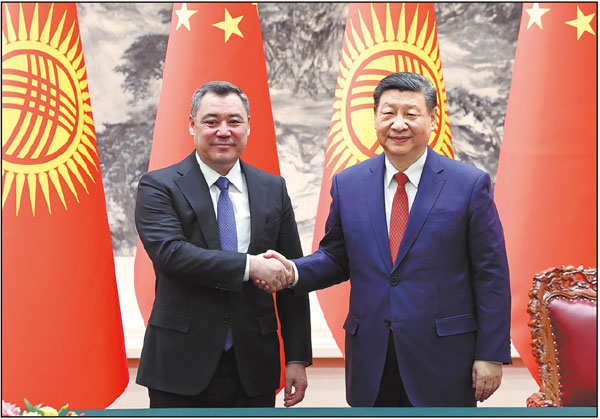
[222, 145]
[400, 139]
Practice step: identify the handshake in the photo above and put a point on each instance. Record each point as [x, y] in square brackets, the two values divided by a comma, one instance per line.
[271, 271]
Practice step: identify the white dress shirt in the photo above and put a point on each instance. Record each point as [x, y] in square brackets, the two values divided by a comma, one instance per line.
[238, 193]
[390, 185]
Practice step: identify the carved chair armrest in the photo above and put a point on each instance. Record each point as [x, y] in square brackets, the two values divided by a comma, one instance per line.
[539, 399]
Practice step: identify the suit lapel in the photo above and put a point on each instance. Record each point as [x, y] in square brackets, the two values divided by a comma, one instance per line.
[257, 197]
[193, 186]
[373, 184]
[430, 185]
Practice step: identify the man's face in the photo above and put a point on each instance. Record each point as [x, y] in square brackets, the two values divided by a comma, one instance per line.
[220, 129]
[403, 125]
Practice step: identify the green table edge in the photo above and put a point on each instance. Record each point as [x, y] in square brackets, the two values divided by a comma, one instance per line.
[357, 411]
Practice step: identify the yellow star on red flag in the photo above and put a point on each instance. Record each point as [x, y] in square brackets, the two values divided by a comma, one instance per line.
[582, 23]
[230, 25]
[535, 15]
[183, 17]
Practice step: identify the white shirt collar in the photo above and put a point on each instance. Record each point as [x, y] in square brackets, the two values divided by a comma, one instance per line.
[211, 176]
[413, 172]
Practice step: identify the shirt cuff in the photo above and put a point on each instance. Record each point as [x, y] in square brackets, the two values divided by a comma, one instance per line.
[247, 271]
[306, 364]
[295, 274]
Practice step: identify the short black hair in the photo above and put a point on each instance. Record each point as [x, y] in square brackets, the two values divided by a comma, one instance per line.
[220, 88]
[411, 82]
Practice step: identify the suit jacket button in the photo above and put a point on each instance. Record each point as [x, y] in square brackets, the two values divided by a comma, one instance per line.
[394, 281]
[387, 322]
[226, 319]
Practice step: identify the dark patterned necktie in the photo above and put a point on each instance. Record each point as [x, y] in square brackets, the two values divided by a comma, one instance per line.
[226, 217]
[227, 231]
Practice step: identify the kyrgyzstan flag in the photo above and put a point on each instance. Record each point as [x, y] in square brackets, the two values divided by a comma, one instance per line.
[380, 39]
[62, 335]
[546, 182]
[208, 41]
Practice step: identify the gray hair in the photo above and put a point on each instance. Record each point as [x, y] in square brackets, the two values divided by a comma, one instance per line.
[220, 88]
[410, 82]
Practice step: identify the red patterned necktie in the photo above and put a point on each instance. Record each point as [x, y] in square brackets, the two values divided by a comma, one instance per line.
[399, 215]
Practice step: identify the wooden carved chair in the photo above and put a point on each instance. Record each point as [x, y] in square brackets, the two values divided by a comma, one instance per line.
[563, 325]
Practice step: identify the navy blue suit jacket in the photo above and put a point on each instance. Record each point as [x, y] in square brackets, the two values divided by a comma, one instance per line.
[447, 296]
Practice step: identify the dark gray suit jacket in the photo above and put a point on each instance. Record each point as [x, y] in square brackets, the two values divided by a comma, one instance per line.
[199, 288]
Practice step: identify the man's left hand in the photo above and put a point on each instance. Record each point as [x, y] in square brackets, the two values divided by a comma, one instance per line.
[295, 377]
[487, 377]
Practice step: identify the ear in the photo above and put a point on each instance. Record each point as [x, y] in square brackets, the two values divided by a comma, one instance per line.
[432, 116]
[191, 125]
[248, 133]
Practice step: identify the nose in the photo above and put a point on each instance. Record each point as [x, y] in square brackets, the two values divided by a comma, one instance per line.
[223, 129]
[399, 124]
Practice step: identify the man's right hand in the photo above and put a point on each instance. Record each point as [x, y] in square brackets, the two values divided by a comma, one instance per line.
[269, 274]
[284, 261]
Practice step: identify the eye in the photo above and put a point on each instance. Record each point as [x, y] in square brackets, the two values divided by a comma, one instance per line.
[211, 123]
[235, 123]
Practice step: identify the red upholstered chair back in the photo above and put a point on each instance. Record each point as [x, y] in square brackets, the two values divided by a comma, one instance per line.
[564, 336]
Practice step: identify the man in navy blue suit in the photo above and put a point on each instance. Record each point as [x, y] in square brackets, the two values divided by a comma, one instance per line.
[419, 238]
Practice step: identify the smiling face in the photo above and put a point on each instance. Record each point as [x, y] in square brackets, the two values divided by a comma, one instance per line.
[220, 129]
[403, 125]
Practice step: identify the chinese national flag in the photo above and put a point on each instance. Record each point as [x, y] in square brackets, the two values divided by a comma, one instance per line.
[62, 335]
[380, 39]
[208, 41]
[546, 183]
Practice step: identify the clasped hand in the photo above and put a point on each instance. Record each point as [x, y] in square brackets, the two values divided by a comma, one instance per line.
[271, 271]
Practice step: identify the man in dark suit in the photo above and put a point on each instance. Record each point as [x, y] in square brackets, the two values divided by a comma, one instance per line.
[212, 337]
[419, 237]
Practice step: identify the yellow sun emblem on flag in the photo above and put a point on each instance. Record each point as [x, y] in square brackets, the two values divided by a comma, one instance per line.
[372, 50]
[48, 135]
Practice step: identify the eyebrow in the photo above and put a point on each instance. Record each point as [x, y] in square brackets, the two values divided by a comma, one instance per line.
[214, 115]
